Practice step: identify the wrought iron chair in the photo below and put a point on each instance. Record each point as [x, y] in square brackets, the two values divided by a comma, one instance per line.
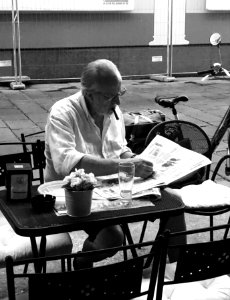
[11, 243]
[193, 137]
[36, 150]
[221, 210]
[121, 279]
[33, 137]
[197, 262]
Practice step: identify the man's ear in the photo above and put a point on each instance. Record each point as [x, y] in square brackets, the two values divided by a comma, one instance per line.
[87, 94]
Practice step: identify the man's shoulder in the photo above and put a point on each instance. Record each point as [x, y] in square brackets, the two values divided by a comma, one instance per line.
[66, 104]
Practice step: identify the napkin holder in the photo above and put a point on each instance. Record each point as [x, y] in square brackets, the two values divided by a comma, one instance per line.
[18, 181]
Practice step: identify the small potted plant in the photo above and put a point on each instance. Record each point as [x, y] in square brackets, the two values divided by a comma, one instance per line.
[78, 192]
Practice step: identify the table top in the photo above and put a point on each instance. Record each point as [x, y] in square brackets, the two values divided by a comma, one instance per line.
[27, 222]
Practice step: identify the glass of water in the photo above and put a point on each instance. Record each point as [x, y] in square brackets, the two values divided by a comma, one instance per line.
[126, 175]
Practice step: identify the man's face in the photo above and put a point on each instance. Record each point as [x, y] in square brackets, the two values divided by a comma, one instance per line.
[105, 98]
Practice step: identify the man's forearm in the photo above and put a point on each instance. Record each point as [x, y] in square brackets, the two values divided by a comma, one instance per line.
[98, 166]
[101, 166]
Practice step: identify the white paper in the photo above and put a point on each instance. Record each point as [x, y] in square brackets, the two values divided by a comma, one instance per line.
[105, 204]
[171, 161]
[141, 187]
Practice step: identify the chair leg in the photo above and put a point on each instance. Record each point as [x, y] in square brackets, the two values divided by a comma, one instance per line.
[129, 238]
[25, 268]
[143, 231]
[211, 225]
[125, 251]
[10, 279]
[227, 230]
[63, 265]
[69, 264]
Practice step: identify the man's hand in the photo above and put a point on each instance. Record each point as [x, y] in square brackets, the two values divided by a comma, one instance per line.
[143, 168]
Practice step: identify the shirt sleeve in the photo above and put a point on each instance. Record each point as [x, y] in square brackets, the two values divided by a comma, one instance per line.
[61, 140]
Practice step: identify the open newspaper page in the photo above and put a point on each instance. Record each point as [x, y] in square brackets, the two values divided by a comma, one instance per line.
[109, 189]
[171, 161]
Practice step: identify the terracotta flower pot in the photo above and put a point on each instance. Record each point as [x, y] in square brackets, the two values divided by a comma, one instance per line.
[78, 203]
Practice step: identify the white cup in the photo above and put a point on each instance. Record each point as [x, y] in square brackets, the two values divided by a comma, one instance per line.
[126, 175]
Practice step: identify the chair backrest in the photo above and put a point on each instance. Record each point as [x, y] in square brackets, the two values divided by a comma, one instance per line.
[12, 158]
[117, 280]
[37, 152]
[38, 159]
[196, 261]
[224, 159]
[33, 137]
[33, 153]
[188, 135]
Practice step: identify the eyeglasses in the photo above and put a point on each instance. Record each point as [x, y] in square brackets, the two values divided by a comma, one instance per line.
[109, 98]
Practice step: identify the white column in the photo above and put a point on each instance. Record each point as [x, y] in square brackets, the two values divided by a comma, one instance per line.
[17, 84]
[161, 23]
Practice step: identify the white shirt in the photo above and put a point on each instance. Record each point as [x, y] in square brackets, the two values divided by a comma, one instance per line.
[71, 133]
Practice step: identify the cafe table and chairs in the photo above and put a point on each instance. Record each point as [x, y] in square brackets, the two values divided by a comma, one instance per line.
[28, 222]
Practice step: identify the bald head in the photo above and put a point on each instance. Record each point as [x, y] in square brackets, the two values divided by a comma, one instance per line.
[99, 74]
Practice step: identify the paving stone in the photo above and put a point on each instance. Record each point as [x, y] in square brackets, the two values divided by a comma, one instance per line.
[35, 93]
[4, 103]
[27, 108]
[12, 114]
[7, 135]
[2, 124]
[45, 103]
[14, 95]
[37, 117]
[21, 124]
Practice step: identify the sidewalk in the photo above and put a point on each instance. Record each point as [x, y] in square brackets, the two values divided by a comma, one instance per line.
[26, 110]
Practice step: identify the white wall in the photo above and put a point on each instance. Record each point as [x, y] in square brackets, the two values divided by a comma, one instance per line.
[69, 5]
[218, 5]
[196, 6]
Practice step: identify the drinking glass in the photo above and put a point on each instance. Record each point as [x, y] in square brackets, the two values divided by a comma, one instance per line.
[126, 175]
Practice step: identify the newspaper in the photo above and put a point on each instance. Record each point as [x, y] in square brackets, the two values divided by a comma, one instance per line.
[107, 204]
[110, 189]
[171, 161]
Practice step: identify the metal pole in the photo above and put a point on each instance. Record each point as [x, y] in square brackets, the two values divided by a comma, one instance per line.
[16, 48]
[14, 43]
[19, 44]
[171, 38]
[168, 33]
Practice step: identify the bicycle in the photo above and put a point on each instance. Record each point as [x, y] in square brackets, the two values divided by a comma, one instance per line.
[175, 131]
[223, 127]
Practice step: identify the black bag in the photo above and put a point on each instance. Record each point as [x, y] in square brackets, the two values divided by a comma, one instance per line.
[138, 125]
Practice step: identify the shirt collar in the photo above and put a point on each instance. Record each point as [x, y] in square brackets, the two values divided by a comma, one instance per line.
[83, 105]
